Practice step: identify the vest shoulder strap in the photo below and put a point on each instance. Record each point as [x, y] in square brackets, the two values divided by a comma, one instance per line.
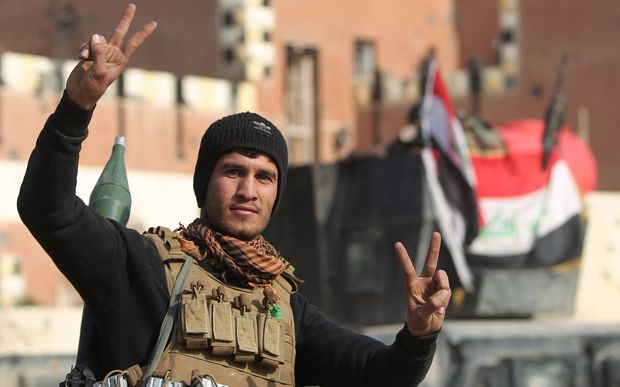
[169, 249]
[165, 242]
[288, 280]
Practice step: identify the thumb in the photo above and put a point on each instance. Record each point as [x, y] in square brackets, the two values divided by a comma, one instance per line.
[97, 49]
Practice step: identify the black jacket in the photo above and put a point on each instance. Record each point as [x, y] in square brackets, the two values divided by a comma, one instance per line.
[121, 278]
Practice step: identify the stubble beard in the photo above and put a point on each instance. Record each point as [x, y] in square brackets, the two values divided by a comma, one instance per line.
[231, 226]
[239, 231]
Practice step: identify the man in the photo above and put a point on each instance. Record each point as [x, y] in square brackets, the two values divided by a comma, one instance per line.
[240, 321]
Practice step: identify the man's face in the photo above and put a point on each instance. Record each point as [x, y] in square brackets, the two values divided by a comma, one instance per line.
[240, 195]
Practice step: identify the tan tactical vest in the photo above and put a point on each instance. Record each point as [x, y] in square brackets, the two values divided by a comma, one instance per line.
[234, 335]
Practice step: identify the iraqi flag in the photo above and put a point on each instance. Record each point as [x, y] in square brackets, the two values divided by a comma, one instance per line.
[532, 216]
[450, 178]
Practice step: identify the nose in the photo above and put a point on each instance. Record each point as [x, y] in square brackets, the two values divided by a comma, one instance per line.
[246, 189]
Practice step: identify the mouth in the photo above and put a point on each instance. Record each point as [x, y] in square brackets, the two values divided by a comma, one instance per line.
[243, 210]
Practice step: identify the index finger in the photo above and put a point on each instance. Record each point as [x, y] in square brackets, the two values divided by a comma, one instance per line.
[430, 265]
[123, 25]
[405, 262]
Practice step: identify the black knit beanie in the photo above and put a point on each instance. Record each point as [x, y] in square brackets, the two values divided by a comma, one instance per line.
[241, 130]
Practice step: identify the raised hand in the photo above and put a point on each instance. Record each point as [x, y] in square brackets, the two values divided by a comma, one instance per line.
[428, 294]
[101, 63]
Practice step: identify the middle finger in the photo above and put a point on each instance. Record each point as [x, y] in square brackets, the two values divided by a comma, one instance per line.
[430, 265]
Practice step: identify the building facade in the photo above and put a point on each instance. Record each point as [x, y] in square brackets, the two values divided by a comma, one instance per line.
[336, 76]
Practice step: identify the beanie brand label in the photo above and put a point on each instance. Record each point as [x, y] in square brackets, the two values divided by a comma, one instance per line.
[262, 127]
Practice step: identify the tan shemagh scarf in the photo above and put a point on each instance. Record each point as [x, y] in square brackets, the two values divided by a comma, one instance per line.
[253, 264]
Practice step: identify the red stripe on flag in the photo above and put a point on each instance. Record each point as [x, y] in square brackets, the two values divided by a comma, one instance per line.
[439, 89]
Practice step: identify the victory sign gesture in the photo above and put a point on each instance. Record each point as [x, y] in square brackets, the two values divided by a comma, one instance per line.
[428, 294]
[101, 63]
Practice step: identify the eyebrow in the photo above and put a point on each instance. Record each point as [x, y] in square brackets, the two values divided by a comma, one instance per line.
[230, 164]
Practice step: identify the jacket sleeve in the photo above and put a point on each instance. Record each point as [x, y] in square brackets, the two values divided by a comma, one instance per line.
[91, 251]
[330, 355]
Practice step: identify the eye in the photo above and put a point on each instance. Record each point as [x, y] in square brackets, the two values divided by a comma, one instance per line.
[265, 178]
[232, 172]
